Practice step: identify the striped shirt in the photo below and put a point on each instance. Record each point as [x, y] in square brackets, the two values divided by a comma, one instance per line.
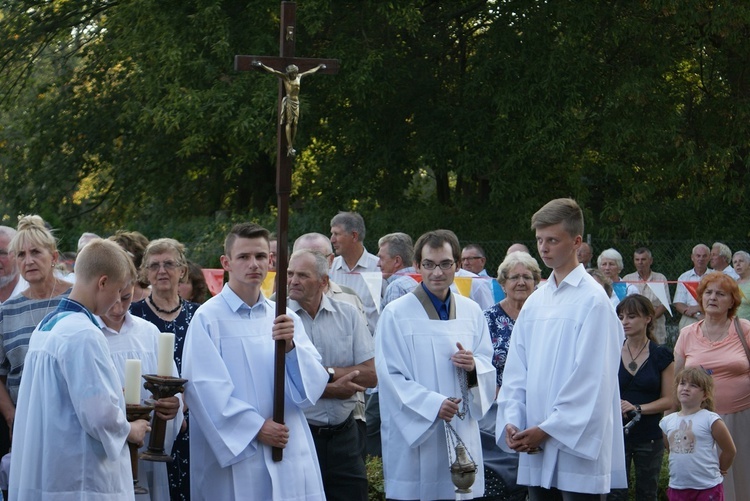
[18, 319]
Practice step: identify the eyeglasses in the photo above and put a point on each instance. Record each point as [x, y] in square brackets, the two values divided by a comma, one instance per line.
[444, 265]
[168, 266]
[518, 278]
[470, 258]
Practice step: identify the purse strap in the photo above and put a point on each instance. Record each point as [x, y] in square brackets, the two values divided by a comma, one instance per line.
[741, 334]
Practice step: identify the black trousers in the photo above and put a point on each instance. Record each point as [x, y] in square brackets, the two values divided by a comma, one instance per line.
[340, 450]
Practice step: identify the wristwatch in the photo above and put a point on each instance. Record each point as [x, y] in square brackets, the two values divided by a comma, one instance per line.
[331, 373]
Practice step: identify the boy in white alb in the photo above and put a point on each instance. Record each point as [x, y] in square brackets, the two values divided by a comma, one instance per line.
[70, 433]
[559, 405]
[130, 337]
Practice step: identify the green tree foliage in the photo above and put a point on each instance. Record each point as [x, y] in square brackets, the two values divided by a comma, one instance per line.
[461, 114]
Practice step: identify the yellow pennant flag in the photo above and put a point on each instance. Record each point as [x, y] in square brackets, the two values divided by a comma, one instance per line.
[268, 284]
[464, 285]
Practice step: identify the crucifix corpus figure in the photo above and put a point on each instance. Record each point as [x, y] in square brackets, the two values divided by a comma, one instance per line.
[288, 117]
[290, 103]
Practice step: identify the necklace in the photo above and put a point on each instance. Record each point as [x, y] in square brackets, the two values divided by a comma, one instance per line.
[166, 312]
[709, 332]
[633, 365]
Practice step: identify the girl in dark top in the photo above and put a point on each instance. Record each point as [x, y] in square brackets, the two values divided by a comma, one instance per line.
[645, 376]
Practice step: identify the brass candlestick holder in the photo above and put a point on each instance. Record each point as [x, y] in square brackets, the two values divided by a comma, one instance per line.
[135, 412]
[160, 387]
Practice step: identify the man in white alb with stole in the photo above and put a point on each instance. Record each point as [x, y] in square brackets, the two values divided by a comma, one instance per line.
[229, 362]
[432, 348]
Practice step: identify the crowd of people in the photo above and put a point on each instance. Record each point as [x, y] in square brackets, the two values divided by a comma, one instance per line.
[505, 388]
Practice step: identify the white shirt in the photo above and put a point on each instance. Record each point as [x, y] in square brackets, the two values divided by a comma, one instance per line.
[682, 295]
[139, 339]
[730, 271]
[693, 454]
[228, 359]
[21, 286]
[481, 288]
[350, 277]
[561, 375]
[340, 335]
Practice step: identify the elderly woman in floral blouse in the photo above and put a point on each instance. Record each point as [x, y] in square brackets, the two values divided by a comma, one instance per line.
[518, 275]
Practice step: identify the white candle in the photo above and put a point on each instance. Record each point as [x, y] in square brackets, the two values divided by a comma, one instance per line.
[166, 354]
[132, 381]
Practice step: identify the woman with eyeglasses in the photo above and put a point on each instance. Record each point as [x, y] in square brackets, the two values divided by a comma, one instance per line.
[165, 266]
[518, 275]
[714, 344]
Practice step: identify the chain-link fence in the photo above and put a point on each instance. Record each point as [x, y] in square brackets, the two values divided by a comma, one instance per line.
[671, 258]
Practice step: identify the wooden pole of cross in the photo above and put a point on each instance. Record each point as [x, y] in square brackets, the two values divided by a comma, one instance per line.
[289, 84]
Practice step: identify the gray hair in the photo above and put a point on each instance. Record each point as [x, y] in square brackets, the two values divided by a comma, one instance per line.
[399, 244]
[724, 251]
[522, 258]
[86, 238]
[350, 222]
[701, 246]
[8, 232]
[610, 254]
[313, 241]
[742, 254]
[321, 263]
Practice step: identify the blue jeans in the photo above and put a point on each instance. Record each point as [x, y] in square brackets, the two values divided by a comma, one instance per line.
[646, 457]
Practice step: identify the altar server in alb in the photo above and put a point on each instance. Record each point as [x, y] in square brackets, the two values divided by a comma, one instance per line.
[559, 405]
[433, 359]
[228, 360]
[69, 439]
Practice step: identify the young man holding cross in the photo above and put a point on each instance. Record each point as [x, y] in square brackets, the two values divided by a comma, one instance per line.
[229, 361]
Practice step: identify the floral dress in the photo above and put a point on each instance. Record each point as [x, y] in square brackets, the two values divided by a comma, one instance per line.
[179, 468]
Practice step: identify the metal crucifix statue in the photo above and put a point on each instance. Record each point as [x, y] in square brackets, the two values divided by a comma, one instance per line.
[289, 86]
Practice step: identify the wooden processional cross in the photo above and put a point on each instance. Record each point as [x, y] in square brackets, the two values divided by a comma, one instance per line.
[289, 80]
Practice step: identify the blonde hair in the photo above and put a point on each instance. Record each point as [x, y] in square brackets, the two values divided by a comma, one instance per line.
[104, 257]
[32, 229]
[560, 210]
[699, 377]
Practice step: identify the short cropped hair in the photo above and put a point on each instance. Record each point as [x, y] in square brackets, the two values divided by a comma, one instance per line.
[560, 210]
[642, 306]
[726, 283]
[32, 229]
[104, 257]
[350, 222]
[321, 263]
[477, 248]
[244, 230]
[743, 254]
[510, 262]
[610, 254]
[399, 244]
[313, 241]
[436, 239]
[643, 250]
[8, 232]
[724, 251]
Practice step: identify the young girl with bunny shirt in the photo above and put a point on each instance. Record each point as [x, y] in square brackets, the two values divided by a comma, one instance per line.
[696, 467]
